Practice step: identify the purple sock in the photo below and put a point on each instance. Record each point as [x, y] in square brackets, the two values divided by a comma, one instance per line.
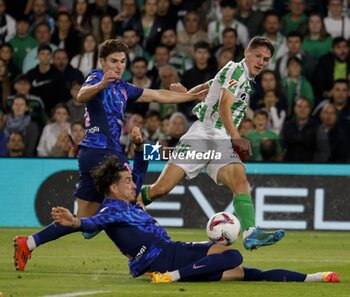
[51, 232]
[212, 265]
[274, 275]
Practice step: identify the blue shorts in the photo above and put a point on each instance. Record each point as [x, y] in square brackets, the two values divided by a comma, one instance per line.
[180, 254]
[89, 158]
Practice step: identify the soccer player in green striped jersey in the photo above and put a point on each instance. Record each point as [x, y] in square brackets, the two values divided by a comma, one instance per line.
[219, 116]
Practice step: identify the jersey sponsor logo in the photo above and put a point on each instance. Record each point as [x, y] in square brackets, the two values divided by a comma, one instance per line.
[93, 130]
[37, 84]
[140, 253]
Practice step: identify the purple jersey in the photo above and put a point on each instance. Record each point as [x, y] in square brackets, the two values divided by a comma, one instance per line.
[104, 114]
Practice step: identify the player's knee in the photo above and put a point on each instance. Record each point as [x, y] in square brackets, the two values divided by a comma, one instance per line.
[234, 258]
[241, 184]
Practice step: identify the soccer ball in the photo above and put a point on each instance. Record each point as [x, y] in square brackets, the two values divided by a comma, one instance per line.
[223, 228]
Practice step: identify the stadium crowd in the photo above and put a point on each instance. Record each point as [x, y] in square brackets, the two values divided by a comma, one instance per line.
[299, 111]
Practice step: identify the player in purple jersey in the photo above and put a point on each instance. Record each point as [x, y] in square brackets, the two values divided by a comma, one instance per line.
[149, 248]
[106, 95]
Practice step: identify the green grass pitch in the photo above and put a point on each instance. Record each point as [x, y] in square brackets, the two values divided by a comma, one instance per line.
[72, 265]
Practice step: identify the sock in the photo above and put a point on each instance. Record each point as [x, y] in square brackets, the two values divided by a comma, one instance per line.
[314, 277]
[51, 232]
[31, 243]
[274, 275]
[144, 193]
[248, 231]
[244, 210]
[175, 275]
[212, 264]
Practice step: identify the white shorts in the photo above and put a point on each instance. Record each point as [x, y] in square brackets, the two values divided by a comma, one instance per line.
[213, 145]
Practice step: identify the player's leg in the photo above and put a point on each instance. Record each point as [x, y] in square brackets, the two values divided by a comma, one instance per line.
[168, 179]
[200, 265]
[234, 177]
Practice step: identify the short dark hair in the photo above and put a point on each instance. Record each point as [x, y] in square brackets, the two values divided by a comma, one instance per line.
[228, 3]
[271, 13]
[21, 77]
[107, 173]
[295, 34]
[152, 113]
[44, 47]
[262, 112]
[227, 30]
[293, 59]
[202, 44]
[111, 46]
[341, 81]
[139, 59]
[20, 96]
[261, 41]
[337, 40]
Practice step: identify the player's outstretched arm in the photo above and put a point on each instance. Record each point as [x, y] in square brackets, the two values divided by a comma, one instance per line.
[165, 96]
[87, 92]
[178, 87]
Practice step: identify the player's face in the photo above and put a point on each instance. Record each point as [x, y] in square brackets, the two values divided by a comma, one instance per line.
[125, 188]
[115, 62]
[257, 59]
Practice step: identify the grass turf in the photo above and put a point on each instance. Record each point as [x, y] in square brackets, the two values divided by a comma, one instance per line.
[71, 265]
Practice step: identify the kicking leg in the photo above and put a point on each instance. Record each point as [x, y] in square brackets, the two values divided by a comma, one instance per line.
[234, 177]
[167, 180]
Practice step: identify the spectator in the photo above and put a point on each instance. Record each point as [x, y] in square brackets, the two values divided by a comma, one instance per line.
[64, 35]
[106, 29]
[245, 127]
[62, 147]
[4, 84]
[295, 85]
[165, 126]
[96, 10]
[225, 56]
[141, 80]
[136, 120]
[46, 80]
[200, 73]
[81, 17]
[148, 22]
[178, 126]
[37, 112]
[69, 74]
[135, 49]
[7, 24]
[261, 132]
[16, 146]
[19, 120]
[332, 66]
[152, 130]
[272, 31]
[332, 142]
[167, 75]
[252, 19]
[161, 57]
[296, 19]
[4, 137]
[39, 15]
[215, 28]
[129, 17]
[87, 59]
[77, 136]
[229, 41]
[336, 24]
[294, 42]
[6, 55]
[317, 41]
[76, 109]
[57, 130]
[178, 59]
[299, 135]
[191, 34]
[22, 42]
[42, 36]
[268, 151]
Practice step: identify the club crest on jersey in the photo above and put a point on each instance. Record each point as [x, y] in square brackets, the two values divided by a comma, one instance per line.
[232, 83]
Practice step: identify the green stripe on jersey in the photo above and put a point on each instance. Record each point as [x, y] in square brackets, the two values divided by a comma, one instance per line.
[222, 76]
[214, 108]
[202, 112]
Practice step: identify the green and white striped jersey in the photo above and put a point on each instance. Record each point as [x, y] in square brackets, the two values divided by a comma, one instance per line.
[235, 78]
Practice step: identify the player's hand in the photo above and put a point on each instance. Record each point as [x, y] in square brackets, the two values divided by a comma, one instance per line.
[62, 216]
[137, 139]
[140, 202]
[202, 94]
[177, 87]
[244, 145]
[109, 76]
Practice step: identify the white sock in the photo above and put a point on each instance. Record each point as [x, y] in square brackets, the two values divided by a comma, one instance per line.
[175, 275]
[248, 231]
[31, 243]
[314, 277]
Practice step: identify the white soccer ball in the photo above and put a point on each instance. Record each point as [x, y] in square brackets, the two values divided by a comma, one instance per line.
[223, 228]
